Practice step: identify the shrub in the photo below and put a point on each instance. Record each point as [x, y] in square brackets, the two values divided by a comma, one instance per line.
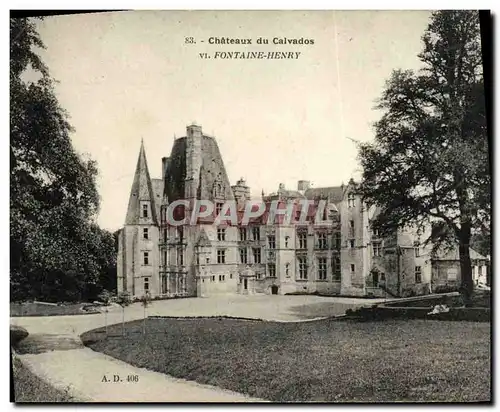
[17, 334]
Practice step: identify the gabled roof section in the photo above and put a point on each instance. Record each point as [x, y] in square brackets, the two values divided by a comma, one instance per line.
[203, 240]
[142, 190]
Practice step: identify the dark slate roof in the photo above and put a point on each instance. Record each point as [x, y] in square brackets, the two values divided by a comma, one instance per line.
[176, 171]
[334, 194]
[212, 169]
[158, 195]
[142, 190]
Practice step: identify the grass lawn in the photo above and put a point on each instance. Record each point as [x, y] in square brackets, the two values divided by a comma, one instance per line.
[325, 361]
[39, 309]
[30, 388]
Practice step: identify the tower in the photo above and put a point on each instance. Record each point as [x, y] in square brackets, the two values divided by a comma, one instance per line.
[138, 260]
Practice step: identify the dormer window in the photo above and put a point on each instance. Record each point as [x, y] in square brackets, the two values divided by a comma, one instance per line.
[145, 210]
[350, 200]
[218, 188]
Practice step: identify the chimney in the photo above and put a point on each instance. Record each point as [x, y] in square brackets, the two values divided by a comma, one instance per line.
[241, 191]
[193, 130]
[303, 185]
[193, 160]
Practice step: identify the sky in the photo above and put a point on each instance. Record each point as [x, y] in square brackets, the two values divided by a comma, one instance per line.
[127, 76]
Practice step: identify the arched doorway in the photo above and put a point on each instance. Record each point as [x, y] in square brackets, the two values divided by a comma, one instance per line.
[274, 289]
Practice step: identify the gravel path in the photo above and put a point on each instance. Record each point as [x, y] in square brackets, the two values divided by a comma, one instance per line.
[91, 376]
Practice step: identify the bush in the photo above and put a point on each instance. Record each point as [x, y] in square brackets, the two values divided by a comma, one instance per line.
[17, 334]
[445, 289]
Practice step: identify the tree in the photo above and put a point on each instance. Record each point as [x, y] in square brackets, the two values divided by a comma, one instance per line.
[145, 301]
[105, 297]
[57, 251]
[123, 300]
[429, 161]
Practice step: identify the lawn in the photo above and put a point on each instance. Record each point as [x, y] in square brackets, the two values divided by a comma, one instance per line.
[325, 361]
[42, 309]
[30, 388]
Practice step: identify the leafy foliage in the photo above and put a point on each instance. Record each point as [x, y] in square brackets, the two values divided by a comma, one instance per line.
[429, 162]
[57, 251]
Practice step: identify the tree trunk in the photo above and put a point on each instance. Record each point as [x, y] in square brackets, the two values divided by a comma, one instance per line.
[144, 323]
[467, 285]
[123, 321]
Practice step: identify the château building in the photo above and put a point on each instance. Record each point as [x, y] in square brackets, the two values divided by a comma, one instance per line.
[338, 256]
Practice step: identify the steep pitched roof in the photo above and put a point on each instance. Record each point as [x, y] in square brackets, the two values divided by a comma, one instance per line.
[334, 194]
[212, 170]
[158, 195]
[142, 190]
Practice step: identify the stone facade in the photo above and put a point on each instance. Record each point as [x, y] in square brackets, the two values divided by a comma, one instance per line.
[340, 257]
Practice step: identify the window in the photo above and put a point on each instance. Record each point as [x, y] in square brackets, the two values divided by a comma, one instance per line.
[146, 285]
[180, 257]
[221, 234]
[256, 233]
[222, 278]
[336, 268]
[165, 235]
[145, 233]
[322, 241]
[145, 210]
[218, 208]
[350, 200]
[286, 240]
[221, 256]
[353, 268]
[287, 270]
[145, 258]
[243, 255]
[338, 240]
[351, 243]
[165, 258]
[230, 276]
[452, 274]
[212, 279]
[164, 284]
[302, 268]
[179, 232]
[302, 240]
[351, 224]
[377, 249]
[271, 270]
[322, 268]
[418, 274]
[375, 233]
[256, 254]
[417, 249]
[243, 233]
[272, 242]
